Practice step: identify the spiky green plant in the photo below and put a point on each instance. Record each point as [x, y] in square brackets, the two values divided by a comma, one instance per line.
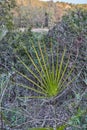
[52, 76]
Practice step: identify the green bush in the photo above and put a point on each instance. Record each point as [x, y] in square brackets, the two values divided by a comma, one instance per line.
[6, 17]
[12, 42]
[72, 33]
[79, 120]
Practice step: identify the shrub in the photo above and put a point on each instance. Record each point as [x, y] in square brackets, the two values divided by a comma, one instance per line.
[72, 32]
[79, 120]
[11, 42]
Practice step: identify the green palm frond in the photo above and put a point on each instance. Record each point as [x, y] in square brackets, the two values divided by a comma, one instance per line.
[52, 77]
